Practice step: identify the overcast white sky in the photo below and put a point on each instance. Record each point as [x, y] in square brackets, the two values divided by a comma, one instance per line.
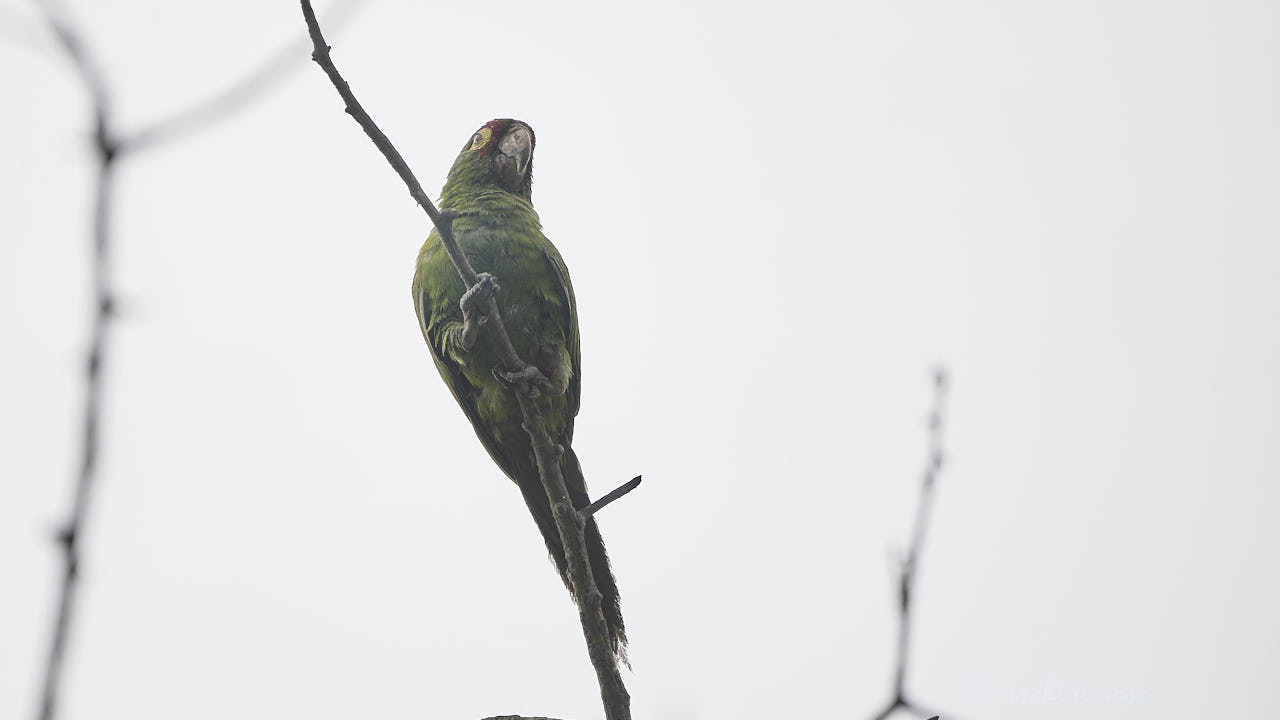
[778, 218]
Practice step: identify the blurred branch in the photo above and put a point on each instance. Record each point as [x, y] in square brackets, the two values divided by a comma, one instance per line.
[105, 147]
[570, 522]
[18, 30]
[109, 147]
[238, 95]
[910, 563]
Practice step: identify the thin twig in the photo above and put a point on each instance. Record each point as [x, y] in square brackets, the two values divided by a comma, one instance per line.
[443, 222]
[910, 563]
[71, 533]
[239, 94]
[609, 497]
[18, 30]
[109, 148]
[617, 702]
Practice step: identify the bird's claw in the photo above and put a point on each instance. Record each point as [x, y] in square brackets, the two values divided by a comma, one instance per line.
[475, 310]
[477, 296]
[529, 376]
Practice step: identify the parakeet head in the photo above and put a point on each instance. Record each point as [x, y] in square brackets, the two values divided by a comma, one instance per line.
[498, 156]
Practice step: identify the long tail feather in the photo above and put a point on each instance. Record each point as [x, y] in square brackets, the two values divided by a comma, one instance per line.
[536, 498]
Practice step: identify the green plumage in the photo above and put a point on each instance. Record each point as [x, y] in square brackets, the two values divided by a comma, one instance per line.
[490, 188]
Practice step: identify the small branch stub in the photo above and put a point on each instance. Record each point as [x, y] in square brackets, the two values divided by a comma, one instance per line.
[625, 488]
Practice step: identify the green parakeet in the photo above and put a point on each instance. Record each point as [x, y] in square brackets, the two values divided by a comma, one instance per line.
[490, 189]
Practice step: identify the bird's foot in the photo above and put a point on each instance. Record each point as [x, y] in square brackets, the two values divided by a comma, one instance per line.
[528, 378]
[477, 295]
[475, 307]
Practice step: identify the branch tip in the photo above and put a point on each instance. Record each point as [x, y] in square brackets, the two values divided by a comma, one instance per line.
[625, 488]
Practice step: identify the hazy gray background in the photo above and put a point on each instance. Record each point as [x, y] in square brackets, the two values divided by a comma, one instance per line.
[778, 218]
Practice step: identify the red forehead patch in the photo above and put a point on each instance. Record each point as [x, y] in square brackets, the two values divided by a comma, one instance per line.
[499, 127]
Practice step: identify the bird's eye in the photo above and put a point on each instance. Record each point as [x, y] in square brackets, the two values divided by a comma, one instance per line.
[480, 138]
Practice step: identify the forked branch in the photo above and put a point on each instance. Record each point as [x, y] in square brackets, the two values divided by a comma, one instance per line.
[109, 147]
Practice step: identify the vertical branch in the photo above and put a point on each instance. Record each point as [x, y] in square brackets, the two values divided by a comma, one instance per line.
[109, 148]
[572, 526]
[910, 563]
[570, 522]
[69, 536]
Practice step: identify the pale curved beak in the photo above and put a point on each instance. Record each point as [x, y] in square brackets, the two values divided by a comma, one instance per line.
[517, 144]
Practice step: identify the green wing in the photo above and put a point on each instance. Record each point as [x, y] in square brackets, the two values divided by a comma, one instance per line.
[573, 394]
[434, 267]
[463, 392]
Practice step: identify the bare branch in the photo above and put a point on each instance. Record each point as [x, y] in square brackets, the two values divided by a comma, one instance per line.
[18, 30]
[109, 147]
[443, 221]
[71, 533]
[910, 563]
[238, 95]
[623, 489]
[617, 702]
[933, 465]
